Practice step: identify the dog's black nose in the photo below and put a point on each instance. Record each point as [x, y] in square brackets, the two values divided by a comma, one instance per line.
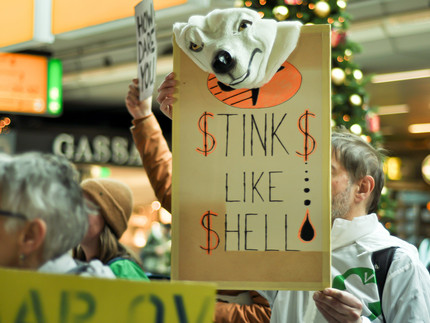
[223, 62]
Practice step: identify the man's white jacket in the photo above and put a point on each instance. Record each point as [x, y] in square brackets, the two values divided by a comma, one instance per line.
[406, 295]
[65, 264]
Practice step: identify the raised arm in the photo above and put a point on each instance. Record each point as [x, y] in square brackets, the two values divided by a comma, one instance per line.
[151, 144]
[157, 161]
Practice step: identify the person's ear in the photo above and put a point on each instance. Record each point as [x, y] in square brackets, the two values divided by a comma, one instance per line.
[33, 236]
[365, 188]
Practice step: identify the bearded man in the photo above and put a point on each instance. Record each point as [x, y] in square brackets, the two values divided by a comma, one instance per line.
[357, 179]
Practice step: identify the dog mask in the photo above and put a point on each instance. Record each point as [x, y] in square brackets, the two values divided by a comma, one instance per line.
[240, 48]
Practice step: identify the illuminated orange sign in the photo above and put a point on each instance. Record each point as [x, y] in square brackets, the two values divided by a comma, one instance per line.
[71, 15]
[30, 84]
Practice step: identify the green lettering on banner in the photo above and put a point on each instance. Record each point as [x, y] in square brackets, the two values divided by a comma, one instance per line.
[67, 303]
[133, 314]
[33, 306]
[182, 313]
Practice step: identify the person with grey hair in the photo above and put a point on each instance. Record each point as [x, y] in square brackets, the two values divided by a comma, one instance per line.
[43, 215]
[376, 277]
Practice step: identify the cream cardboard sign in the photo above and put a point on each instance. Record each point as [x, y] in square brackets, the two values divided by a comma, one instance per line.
[251, 174]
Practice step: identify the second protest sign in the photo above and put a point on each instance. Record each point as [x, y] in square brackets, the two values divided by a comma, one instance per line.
[251, 167]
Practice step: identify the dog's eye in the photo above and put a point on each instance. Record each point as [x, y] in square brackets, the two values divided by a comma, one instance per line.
[244, 24]
[195, 47]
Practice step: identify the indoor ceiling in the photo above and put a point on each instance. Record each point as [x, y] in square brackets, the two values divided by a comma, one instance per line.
[394, 34]
[395, 37]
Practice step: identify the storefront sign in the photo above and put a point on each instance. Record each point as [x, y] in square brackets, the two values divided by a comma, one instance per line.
[30, 84]
[99, 149]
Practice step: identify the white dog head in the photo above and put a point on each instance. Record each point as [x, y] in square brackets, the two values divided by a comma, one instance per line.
[240, 48]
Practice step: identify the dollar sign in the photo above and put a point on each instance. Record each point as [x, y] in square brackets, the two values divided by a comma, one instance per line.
[309, 143]
[209, 142]
[212, 240]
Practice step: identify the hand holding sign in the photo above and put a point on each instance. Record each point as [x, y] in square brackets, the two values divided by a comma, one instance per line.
[146, 47]
[137, 108]
[165, 95]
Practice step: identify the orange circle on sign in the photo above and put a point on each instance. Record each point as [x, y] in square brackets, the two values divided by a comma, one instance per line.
[282, 87]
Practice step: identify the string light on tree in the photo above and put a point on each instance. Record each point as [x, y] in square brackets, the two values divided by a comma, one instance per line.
[358, 75]
[341, 4]
[322, 9]
[4, 123]
[337, 76]
[348, 54]
[356, 128]
[355, 99]
[366, 138]
[337, 24]
[280, 13]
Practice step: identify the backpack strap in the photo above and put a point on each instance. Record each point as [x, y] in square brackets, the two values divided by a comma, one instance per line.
[381, 260]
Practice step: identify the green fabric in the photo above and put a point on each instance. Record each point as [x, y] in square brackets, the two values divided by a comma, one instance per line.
[127, 269]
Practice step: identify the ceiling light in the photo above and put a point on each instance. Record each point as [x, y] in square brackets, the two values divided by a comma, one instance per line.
[401, 76]
[393, 109]
[419, 128]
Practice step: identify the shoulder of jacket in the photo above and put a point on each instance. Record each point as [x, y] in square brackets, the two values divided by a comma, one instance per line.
[97, 269]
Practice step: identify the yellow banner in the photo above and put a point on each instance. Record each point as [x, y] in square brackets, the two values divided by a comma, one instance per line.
[42, 298]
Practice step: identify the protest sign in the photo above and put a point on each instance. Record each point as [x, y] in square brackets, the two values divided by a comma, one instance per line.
[35, 297]
[251, 174]
[146, 47]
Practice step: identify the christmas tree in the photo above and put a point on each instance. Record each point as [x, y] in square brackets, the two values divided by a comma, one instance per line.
[350, 106]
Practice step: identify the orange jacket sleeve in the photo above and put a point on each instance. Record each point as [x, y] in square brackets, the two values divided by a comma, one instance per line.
[157, 161]
[156, 157]
[257, 312]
